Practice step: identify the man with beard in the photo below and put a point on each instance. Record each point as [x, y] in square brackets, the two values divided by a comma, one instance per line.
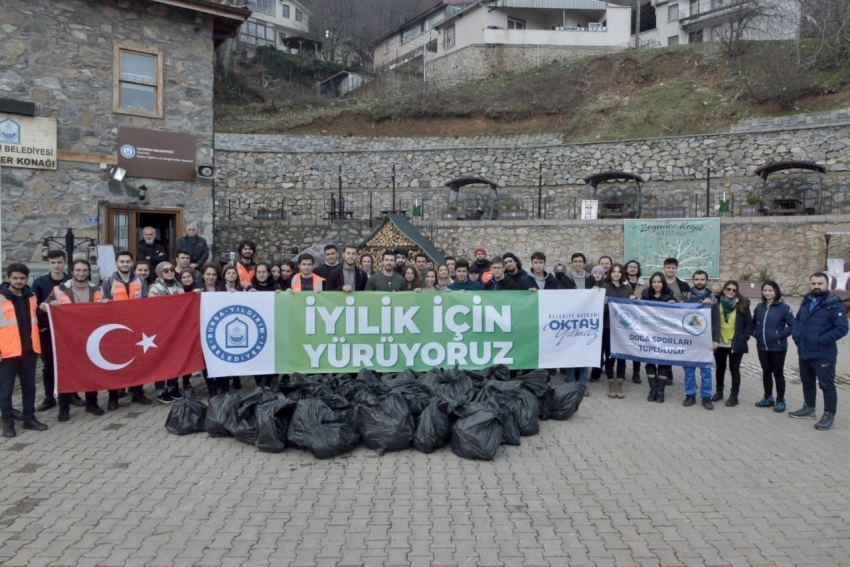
[820, 322]
[481, 261]
[513, 270]
[347, 276]
[420, 262]
[19, 347]
[700, 293]
[151, 249]
[331, 255]
[386, 279]
[400, 261]
[76, 290]
[244, 263]
[124, 285]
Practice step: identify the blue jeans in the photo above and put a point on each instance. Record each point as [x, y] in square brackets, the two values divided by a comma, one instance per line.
[576, 374]
[691, 380]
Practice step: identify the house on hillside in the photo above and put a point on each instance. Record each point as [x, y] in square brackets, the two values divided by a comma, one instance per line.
[284, 24]
[106, 107]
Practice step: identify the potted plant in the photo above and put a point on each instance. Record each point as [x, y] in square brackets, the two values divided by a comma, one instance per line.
[751, 209]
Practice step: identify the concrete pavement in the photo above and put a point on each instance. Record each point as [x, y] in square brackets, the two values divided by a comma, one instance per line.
[625, 482]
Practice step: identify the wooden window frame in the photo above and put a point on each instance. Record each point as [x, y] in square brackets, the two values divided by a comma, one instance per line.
[116, 81]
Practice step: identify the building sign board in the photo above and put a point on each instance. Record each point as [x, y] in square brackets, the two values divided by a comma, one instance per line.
[589, 209]
[27, 142]
[156, 155]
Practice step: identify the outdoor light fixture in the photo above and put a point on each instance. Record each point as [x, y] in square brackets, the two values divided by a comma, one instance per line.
[118, 173]
[206, 171]
[69, 244]
[45, 248]
[143, 192]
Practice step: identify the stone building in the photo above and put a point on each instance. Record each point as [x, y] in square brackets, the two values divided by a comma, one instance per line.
[92, 70]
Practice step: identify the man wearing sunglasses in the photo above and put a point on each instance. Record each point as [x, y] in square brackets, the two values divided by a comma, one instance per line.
[820, 322]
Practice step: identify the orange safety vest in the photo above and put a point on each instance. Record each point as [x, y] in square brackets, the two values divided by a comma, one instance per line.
[65, 298]
[119, 290]
[296, 282]
[10, 336]
[245, 275]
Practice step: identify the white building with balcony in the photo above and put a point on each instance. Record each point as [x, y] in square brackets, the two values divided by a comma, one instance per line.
[284, 24]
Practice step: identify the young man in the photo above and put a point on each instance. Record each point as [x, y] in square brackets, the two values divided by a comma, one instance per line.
[20, 345]
[500, 282]
[820, 322]
[700, 293]
[305, 279]
[481, 261]
[151, 249]
[124, 285]
[245, 265]
[462, 281]
[183, 261]
[606, 262]
[542, 279]
[580, 278]
[513, 270]
[347, 276]
[199, 250]
[450, 264]
[400, 261]
[421, 263]
[474, 274]
[677, 285]
[42, 287]
[386, 279]
[76, 290]
[331, 255]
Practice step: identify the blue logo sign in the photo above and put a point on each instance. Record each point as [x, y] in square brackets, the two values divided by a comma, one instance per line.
[236, 334]
[625, 317]
[10, 131]
[128, 151]
[695, 323]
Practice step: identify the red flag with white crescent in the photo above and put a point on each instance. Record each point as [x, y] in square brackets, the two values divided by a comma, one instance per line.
[120, 344]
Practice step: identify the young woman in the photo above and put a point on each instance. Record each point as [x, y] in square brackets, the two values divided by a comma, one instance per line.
[658, 290]
[230, 277]
[443, 278]
[167, 391]
[287, 270]
[428, 280]
[262, 280]
[598, 277]
[276, 273]
[772, 322]
[736, 328]
[367, 264]
[411, 278]
[187, 280]
[615, 286]
[598, 274]
[211, 276]
[637, 283]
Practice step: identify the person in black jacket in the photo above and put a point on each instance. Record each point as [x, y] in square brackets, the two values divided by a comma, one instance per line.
[541, 278]
[499, 281]
[151, 249]
[578, 275]
[700, 293]
[657, 290]
[513, 270]
[736, 328]
[347, 276]
[773, 322]
[199, 250]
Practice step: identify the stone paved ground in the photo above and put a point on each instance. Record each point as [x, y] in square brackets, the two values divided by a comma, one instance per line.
[623, 483]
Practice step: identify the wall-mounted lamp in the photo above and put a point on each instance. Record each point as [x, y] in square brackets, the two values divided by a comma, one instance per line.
[143, 192]
[118, 173]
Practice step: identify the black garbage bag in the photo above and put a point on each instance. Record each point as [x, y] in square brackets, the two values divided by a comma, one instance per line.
[536, 382]
[222, 415]
[511, 396]
[321, 392]
[510, 423]
[406, 374]
[478, 435]
[186, 416]
[415, 393]
[273, 417]
[434, 428]
[314, 428]
[246, 426]
[562, 401]
[385, 423]
[498, 372]
[452, 386]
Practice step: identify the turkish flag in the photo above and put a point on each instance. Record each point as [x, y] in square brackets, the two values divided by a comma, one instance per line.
[107, 346]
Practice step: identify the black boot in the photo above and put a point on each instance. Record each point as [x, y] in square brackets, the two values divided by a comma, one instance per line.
[9, 428]
[662, 384]
[30, 422]
[653, 388]
[733, 399]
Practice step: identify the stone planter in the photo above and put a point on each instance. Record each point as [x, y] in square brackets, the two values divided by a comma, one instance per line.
[749, 210]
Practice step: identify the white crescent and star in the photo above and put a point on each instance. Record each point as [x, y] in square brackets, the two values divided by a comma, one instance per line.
[93, 346]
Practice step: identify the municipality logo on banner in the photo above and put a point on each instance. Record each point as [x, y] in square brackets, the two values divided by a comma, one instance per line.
[661, 333]
[266, 333]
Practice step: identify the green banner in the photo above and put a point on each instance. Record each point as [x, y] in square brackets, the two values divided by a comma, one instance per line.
[694, 242]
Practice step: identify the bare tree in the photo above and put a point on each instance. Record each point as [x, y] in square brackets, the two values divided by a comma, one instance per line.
[748, 19]
[829, 22]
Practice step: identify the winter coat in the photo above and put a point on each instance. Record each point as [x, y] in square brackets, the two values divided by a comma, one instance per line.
[816, 331]
[42, 287]
[647, 295]
[549, 281]
[153, 253]
[743, 327]
[336, 279]
[772, 325]
[589, 282]
[689, 297]
[507, 284]
[522, 279]
[468, 285]
[197, 247]
[623, 292]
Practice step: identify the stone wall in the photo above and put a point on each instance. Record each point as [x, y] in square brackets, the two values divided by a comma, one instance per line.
[839, 117]
[484, 61]
[60, 56]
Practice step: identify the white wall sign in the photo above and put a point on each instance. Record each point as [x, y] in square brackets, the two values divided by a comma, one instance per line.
[27, 142]
[589, 210]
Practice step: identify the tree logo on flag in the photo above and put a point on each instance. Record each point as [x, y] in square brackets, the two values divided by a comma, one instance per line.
[236, 333]
[695, 324]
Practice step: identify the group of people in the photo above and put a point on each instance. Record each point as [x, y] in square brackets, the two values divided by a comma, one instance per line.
[818, 324]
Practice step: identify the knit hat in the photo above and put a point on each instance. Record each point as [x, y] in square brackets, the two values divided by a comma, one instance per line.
[480, 249]
[599, 269]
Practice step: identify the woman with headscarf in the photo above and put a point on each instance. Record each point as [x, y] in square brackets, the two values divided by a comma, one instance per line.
[772, 323]
[736, 328]
[166, 284]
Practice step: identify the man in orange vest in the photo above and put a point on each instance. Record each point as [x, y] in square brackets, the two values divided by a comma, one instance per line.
[245, 265]
[76, 290]
[19, 348]
[305, 279]
[124, 285]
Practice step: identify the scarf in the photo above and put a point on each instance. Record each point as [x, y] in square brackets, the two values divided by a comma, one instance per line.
[701, 295]
[728, 306]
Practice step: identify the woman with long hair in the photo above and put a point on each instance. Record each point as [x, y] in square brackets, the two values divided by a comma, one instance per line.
[736, 328]
[638, 284]
[411, 278]
[262, 280]
[367, 264]
[428, 280]
[772, 323]
[658, 290]
[615, 286]
[211, 278]
[187, 279]
[230, 278]
[287, 270]
[444, 278]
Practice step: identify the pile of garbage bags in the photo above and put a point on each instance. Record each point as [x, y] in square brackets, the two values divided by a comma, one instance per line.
[473, 411]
